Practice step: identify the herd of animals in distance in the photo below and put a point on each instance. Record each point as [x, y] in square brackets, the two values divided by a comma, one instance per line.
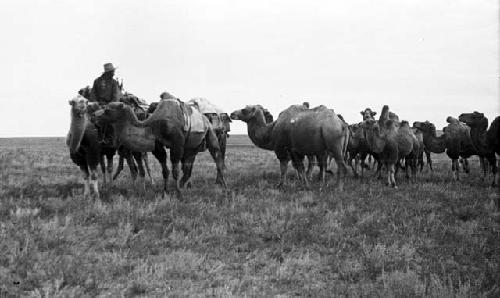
[299, 133]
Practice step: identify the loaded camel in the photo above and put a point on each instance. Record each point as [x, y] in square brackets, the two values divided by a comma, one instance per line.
[108, 149]
[172, 125]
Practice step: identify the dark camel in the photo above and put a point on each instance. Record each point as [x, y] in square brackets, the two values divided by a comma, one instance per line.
[478, 132]
[109, 150]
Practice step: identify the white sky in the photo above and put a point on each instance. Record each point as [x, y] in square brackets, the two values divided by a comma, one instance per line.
[425, 59]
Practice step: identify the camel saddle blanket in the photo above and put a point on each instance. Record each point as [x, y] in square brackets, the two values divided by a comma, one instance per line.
[204, 106]
[194, 121]
[217, 117]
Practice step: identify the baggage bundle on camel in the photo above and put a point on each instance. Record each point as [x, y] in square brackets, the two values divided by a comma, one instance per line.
[219, 119]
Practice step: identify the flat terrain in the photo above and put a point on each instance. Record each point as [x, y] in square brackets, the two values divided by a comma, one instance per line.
[435, 237]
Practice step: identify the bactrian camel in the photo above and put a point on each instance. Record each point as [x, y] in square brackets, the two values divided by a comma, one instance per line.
[173, 126]
[478, 124]
[392, 141]
[83, 143]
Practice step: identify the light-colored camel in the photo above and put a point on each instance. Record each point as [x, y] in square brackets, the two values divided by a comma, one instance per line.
[392, 142]
[300, 132]
[173, 125]
[277, 136]
[83, 143]
[478, 124]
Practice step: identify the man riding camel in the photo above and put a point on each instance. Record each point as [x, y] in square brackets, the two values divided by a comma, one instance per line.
[106, 89]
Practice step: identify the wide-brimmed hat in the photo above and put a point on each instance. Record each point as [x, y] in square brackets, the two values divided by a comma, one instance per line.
[166, 95]
[109, 67]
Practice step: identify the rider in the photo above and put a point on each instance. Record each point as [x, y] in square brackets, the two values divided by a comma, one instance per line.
[106, 89]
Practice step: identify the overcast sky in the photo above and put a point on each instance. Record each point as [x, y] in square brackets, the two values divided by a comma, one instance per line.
[425, 59]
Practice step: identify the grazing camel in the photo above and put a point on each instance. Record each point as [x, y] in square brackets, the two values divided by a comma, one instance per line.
[172, 125]
[392, 142]
[478, 133]
[83, 144]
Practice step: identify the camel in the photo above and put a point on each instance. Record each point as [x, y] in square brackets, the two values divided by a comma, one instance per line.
[172, 125]
[300, 132]
[277, 136]
[357, 148]
[259, 125]
[109, 150]
[392, 142]
[431, 142]
[83, 144]
[478, 124]
[217, 117]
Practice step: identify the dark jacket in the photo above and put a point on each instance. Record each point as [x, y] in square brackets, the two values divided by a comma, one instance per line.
[105, 90]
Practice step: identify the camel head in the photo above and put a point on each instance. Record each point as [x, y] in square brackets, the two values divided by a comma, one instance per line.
[368, 114]
[475, 119]
[113, 112]
[425, 127]
[252, 112]
[85, 92]
[78, 105]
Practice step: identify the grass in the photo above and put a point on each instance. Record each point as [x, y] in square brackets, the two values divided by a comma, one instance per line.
[434, 237]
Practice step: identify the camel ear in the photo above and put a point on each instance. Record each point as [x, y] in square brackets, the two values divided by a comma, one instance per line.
[374, 113]
[362, 113]
[70, 102]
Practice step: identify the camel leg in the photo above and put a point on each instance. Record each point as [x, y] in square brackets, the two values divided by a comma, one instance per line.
[222, 140]
[323, 162]
[161, 155]
[429, 160]
[484, 166]
[218, 157]
[102, 162]
[298, 164]
[176, 153]
[142, 174]
[310, 166]
[93, 181]
[421, 161]
[86, 177]
[187, 167]
[455, 169]
[356, 164]
[146, 165]
[392, 172]
[109, 167]
[283, 170]
[337, 153]
[119, 168]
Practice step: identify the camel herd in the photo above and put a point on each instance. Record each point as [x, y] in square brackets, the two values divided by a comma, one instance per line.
[299, 132]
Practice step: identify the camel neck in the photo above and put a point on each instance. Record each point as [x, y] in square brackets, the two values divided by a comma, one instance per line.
[478, 138]
[433, 143]
[260, 132]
